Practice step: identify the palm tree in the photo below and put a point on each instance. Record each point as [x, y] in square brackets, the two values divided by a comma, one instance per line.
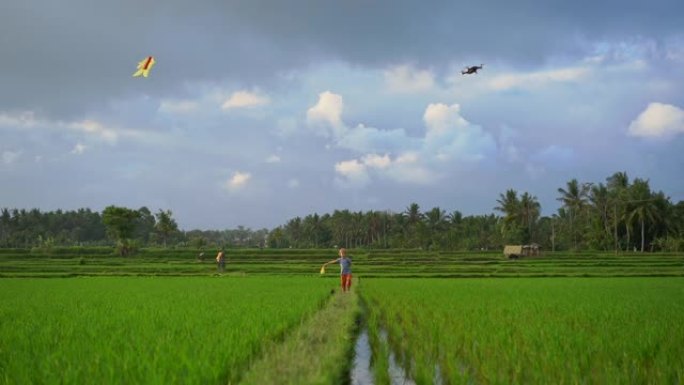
[413, 219]
[509, 205]
[643, 207]
[436, 221]
[599, 198]
[574, 198]
[313, 227]
[618, 184]
[529, 212]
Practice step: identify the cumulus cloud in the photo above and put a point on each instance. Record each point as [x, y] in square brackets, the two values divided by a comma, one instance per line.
[238, 180]
[9, 157]
[245, 99]
[406, 79]
[327, 112]
[658, 120]
[538, 78]
[354, 173]
[78, 149]
[448, 137]
[404, 168]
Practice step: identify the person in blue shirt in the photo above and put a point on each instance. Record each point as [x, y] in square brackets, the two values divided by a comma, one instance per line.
[345, 269]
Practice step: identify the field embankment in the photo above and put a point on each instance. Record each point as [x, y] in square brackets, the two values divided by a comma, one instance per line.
[69, 262]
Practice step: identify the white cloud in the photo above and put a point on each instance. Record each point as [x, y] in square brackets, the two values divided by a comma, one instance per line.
[92, 128]
[79, 148]
[238, 180]
[178, 106]
[25, 119]
[658, 120]
[327, 112]
[449, 136]
[539, 78]
[9, 157]
[95, 128]
[377, 161]
[405, 168]
[353, 172]
[273, 159]
[369, 139]
[406, 79]
[245, 99]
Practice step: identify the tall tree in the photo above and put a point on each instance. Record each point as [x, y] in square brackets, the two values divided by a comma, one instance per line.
[166, 226]
[529, 214]
[642, 207]
[618, 185]
[509, 205]
[574, 198]
[120, 223]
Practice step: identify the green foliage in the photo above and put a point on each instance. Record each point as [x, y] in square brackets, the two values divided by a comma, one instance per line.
[145, 331]
[120, 222]
[369, 263]
[166, 226]
[616, 216]
[533, 331]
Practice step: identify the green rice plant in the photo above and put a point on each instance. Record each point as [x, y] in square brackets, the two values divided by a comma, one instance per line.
[145, 330]
[535, 331]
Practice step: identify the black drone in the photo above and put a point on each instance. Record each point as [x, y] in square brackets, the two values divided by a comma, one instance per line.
[471, 70]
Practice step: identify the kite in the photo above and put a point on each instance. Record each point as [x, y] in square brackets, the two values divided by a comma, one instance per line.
[144, 67]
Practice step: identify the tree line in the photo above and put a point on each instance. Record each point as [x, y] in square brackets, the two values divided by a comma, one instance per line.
[617, 214]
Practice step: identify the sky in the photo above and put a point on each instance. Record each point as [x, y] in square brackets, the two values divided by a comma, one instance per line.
[260, 111]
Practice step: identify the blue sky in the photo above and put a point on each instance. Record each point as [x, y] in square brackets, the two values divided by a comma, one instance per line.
[259, 111]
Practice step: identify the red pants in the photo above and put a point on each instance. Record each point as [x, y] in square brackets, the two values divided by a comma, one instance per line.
[346, 280]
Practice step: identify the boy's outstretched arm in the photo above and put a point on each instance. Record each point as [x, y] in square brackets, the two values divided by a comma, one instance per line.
[333, 261]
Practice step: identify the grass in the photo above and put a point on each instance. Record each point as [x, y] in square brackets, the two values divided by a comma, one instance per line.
[145, 330]
[534, 331]
[163, 317]
[318, 352]
[377, 263]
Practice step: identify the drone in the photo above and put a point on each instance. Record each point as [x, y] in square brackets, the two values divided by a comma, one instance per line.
[471, 70]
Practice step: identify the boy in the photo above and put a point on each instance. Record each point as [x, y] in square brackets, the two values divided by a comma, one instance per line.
[345, 269]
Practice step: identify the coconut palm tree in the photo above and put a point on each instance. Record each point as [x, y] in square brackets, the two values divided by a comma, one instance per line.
[509, 205]
[574, 198]
[618, 185]
[529, 209]
[643, 207]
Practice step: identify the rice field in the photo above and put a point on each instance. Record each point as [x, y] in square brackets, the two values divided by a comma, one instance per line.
[162, 317]
[128, 330]
[69, 262]
[529, 331]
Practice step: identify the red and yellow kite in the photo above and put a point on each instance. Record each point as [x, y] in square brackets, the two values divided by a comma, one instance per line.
[144, 67]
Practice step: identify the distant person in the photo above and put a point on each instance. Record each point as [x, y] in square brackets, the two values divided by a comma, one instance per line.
[345, 269]
[200, 257]
[221, 261]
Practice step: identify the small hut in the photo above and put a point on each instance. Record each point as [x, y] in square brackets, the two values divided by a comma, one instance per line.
[517, 251]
